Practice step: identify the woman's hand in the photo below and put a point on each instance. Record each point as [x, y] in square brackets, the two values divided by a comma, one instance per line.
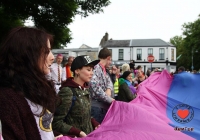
[82, 134]
[113, 100]
[108, 92]
[55, 138]
[96, 127]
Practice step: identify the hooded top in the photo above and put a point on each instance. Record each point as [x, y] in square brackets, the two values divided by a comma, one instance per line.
[122, 80]
[126, 91]
[74, 113]
[131, 87]
[70, 83]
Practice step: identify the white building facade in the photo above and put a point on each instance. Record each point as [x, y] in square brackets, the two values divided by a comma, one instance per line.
[83, 50]
[138, 50]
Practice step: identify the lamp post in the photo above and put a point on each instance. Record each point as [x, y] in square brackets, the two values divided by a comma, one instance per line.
[192, 60]
[167, 64]
[192, 67]
[167, 60]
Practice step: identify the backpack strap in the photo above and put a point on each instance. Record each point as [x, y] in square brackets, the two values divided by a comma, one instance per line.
[73, 102]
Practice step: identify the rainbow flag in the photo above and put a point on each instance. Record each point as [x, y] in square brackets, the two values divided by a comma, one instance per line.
[166, 108]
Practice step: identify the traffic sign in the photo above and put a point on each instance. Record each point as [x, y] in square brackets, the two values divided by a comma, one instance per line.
[150, 58]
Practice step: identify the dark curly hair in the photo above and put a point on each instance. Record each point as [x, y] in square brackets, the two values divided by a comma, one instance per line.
[20, 55]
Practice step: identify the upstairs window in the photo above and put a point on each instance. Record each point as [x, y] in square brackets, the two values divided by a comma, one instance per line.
[150, 51]
[161, 54]
[121, 54]
[172, 56]
[139, 54]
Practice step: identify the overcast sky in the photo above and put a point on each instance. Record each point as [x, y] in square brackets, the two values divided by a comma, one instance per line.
[134, 19]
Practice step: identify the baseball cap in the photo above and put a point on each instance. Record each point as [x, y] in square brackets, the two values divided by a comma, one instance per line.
[83, 60]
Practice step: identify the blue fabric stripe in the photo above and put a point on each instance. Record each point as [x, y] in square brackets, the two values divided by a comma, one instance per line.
[185, 89]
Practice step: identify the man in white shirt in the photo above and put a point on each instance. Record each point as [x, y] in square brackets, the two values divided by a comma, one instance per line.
[56, 72]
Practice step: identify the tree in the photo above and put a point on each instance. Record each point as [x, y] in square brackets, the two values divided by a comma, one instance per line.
[191, 31]
[7, 24]
[52, 15]
[178, 41]
[188, 45]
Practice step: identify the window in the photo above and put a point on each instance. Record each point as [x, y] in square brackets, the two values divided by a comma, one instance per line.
[150, 51]
[161, 54]
[139, 54]
[172, 56]
[121, 54]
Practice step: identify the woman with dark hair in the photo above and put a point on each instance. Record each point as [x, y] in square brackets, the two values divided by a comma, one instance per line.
[141, 77]
[27, 97]
[73, 115]
[126, 90]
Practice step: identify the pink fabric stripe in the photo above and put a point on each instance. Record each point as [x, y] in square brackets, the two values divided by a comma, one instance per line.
[142, 119]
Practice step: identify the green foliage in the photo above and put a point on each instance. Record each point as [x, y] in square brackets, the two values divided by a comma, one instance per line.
[178, 41]
[189, 45]
[91, 6]
[52, 15]
[191, 31]
[7, 23]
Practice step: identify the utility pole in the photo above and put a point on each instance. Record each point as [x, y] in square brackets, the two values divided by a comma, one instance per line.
[192, 60]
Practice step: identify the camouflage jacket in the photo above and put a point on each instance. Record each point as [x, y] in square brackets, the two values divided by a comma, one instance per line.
[80, 114]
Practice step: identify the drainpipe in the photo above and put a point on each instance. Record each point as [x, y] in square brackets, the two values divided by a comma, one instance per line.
[130, 49]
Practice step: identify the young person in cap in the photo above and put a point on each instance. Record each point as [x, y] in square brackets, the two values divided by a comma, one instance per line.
[27, 97]
[126, 90]
[73, 115]
[101, 86]
[56, 72]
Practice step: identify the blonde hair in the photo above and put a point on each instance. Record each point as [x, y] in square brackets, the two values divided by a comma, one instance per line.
[125, 67]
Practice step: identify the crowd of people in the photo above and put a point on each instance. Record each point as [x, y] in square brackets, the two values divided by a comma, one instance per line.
[89, 87]
[40, 99]
[43, 100]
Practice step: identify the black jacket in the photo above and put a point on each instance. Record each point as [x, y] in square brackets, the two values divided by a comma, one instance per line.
[112, 76]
